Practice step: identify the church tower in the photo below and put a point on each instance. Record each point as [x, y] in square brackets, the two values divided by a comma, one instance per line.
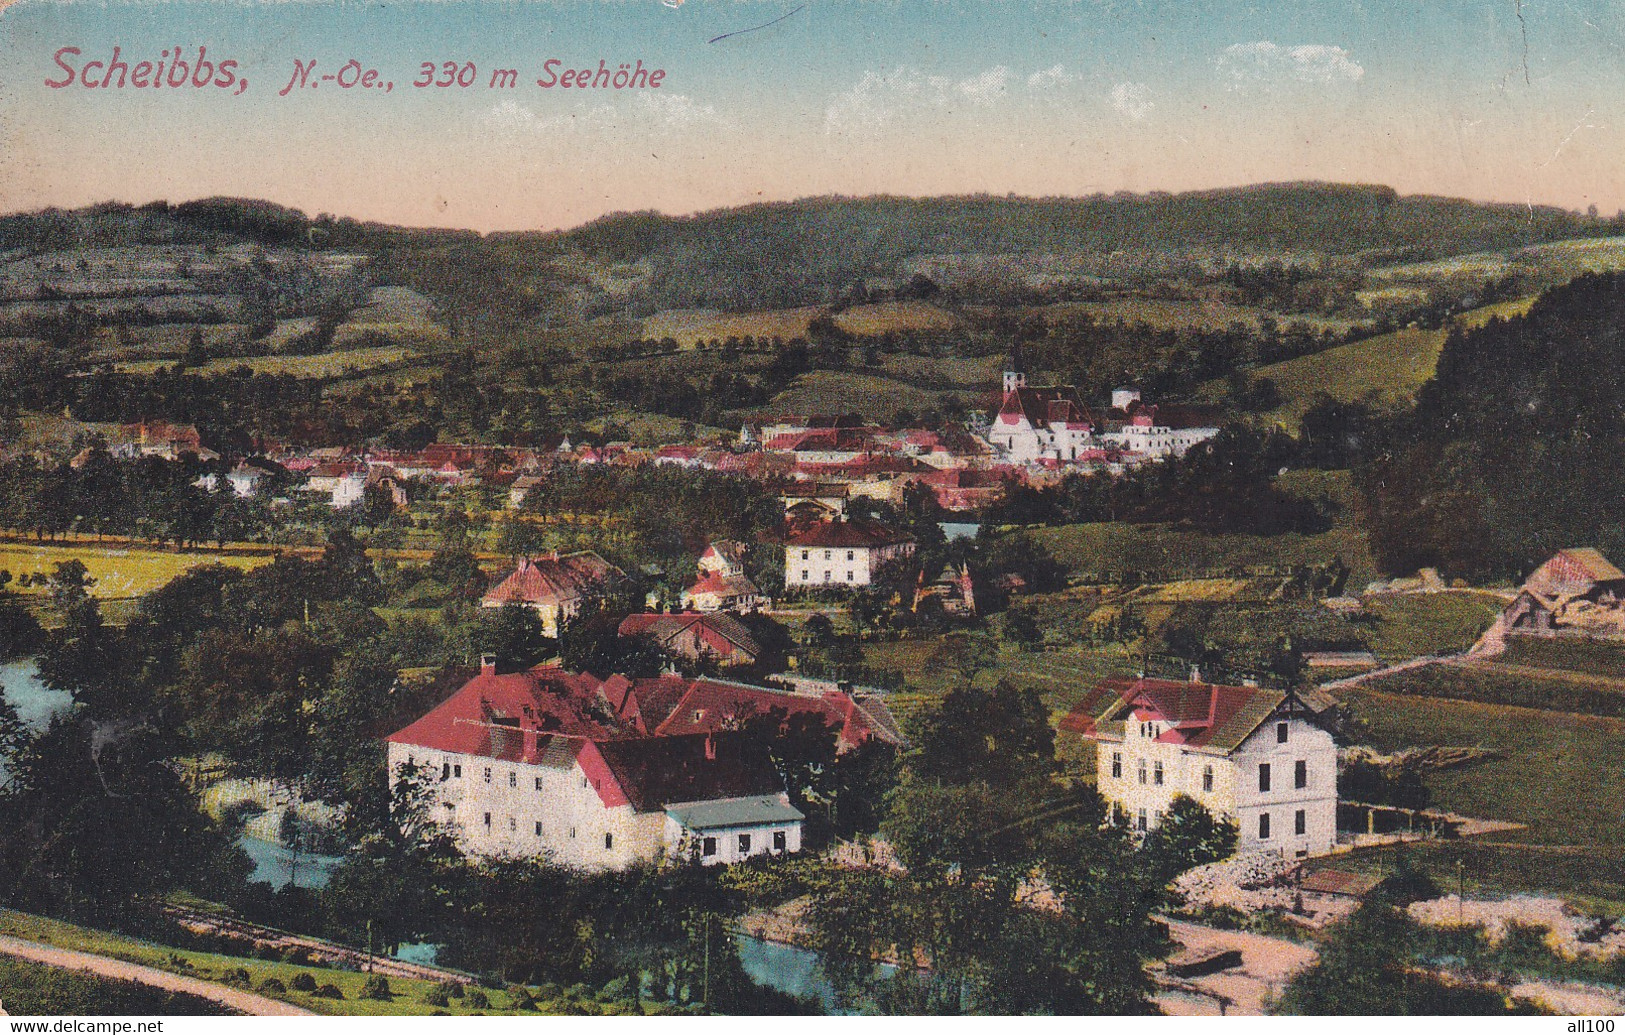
[1015, 374]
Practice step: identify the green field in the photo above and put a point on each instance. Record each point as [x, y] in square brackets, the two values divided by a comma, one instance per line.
[689, 327]
[1563, 776]
[1587, 657]
[1429, 623]
[839, 391]
[322, 365]
[34, 990]
[1494, 684]
[119, 572]
[1182, 314]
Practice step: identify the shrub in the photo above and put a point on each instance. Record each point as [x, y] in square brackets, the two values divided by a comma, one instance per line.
[376, 987]
[476, 999]
[272, 986]
[521, 997]
[453, 989]
[329, 991]
[437, 996]
[303, 982]
[616, 989]
[238, 976]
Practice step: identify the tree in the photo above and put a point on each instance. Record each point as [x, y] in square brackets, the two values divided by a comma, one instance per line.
[20, 632]
[1001, 737]
[515, 635]
[1023, 629]
[1187, 836]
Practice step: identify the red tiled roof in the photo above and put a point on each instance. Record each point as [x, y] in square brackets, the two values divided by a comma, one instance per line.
[1198, 714]
[552, 579]
[724, 586]
[513, 716]
[1045, 406]
[845, 534]
[665, 628]
[713, 704]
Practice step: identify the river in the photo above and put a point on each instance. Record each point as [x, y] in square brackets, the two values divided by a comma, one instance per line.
[35, 702]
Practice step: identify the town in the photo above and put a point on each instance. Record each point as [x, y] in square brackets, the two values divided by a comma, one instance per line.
[1006, 644]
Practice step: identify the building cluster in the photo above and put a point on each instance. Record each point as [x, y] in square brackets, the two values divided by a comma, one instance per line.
[606, 773]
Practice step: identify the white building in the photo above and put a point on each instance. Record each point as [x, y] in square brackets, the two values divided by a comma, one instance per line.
[525, 764]
[1142, 434]
[840, 553]
[1261, 757]
[1040, 423]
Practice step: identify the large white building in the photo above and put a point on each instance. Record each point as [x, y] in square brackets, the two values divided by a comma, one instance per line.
[563, 766]
[1261, 757]
[840, 553]
[1040, 423]
[1142, 434]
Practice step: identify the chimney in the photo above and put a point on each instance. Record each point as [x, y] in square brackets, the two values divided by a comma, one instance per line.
[1196, 674]
[488, 664]
[710, 748]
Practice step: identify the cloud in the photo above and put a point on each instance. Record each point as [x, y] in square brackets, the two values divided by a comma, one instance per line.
[1049, 78]
[1266, 62]
[1132, 100]
[877, 98]
[644, 112]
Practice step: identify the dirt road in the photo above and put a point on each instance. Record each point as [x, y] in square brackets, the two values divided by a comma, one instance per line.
[232, 998]
[1266, 964]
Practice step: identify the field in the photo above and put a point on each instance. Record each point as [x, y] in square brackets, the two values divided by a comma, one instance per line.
[1181, 314]
[962, 375]
[398, 313]
[1429, 623]
[119, 572]
[839, 391]
[1493, 684]
[323, 365]
[880, 317]
[1563, 776]
[1386, 370]
[688, 327]
[1581, 656]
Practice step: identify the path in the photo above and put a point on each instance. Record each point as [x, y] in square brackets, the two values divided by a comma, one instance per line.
[1266, 965]
[70, 959]
[1403, 666]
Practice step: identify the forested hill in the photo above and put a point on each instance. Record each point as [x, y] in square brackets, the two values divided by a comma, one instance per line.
[875, 231]
[1514, 448]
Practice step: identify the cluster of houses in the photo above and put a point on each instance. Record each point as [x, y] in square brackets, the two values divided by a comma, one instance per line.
[606, 773]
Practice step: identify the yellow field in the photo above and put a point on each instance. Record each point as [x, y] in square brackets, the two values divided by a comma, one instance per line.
[119, 571]
[894, 316]
[1197, 591]
[1178, 314]
[418, 333]
[690, 326]
[830, 391]
[322, 365]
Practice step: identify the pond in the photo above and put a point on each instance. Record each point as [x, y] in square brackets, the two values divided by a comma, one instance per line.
[36, 703]
[273, 864]
[959, 529]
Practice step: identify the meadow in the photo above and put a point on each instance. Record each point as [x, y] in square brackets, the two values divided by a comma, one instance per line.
[35, 990]
[690, 327]
[119, 572]
[323, 365]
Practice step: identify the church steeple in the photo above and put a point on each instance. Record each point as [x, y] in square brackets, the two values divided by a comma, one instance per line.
[1015, 373]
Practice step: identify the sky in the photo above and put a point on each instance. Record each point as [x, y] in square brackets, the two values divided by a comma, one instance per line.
[1502, 100]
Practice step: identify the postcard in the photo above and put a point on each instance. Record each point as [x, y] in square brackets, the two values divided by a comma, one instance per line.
[811, 508]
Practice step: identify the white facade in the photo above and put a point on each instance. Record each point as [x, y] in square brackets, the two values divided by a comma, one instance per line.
[1021, 441]
[1157, 441]
[498, 808]
[1286, 770]
[731, 843]
[812, 566]
[349, 490]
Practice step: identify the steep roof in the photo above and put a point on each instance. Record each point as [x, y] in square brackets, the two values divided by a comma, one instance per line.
[724, 586]
[655, 771]
[1591, 561]
[515, 716]
[712, 704]
[552, 579]
[666, 628]
[1059, 405]
[845, 534]
[1198, 715]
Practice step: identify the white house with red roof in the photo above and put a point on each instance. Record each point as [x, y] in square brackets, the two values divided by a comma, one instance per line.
[840, 553]
[722, 584]
[541, 763]
[1262, 757]
[555, 586]
[1040, 423]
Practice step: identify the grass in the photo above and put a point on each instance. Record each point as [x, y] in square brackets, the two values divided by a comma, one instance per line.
[689, 327]
[1490, 684]
[322, 365]
[1429, 623]
[36, 990]
[1587, 657]
[832, 391]
[1181, 314]
[867, 321]
[407, 1001]
[119, 572]
[1562, 775]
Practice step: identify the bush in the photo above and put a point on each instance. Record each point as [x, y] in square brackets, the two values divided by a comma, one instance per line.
[437, 996]
[272, 986]
[303, 982]
[476, 999]
[616, 989]
[453, 989]
[238, 976]
[329, 991]
[376, 987]
[521, 997]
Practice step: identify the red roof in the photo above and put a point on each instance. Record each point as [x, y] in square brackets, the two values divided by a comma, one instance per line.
[552, 579]
[716, 705]
[845, 534]
[724, 586]
[1045, 406]
[514, 716]
[1197, 714]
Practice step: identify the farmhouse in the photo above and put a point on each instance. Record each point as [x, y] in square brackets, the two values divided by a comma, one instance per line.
[1577, 592]
[840, 553]
[722, 584]
[1261, 757]
[717, 638]
[555, 586]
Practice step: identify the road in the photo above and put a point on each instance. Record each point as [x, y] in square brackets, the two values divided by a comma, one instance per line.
[69, 959]
[1266, 964]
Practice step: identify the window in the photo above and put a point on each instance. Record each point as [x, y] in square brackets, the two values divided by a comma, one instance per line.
[1117, 765]
[1263, 826]
[445, 770]
[487, 821]
[457, 772]
[1280, 733]
[609, 841]
[583, 780]
[1300, 774]
[827, 574]
[806, 576]
[1140, 821]
[828, 554]
[538, 783]
[1207, 778]
[744, 844]
[849, 576]
[572, 832]
[780, 842]
[708, 846]
[1156, 774]
[1142, 770]
[513, 778]
[538, 828]
[1264, 776]
[804, 555]
[850, 555]
[513, 824]
[487, 774]
[1300, 822]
